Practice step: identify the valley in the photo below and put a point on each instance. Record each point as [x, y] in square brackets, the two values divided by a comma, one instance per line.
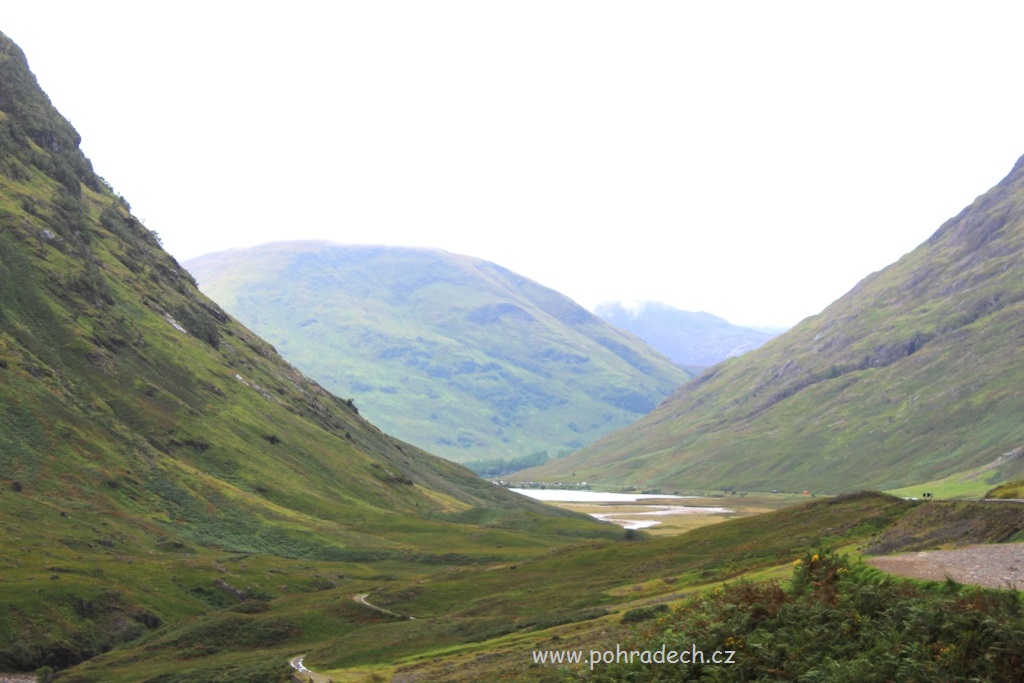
[662, 515]
[631, 582]
[180, 503]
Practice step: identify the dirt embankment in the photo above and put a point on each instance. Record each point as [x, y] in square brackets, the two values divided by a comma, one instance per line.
[931, 526]
[978, 530]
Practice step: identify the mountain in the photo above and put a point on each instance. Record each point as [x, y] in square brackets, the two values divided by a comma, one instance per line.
[913, 376]
[153, 450]
[689, 339]
[457, 355]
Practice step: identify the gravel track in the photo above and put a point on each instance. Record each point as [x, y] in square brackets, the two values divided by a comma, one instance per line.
[992, 566]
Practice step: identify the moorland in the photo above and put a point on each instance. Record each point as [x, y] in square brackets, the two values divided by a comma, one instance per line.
[180, 503]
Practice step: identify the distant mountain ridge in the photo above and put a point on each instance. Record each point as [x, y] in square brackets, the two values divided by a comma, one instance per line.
[913, 376]
[461, 356]
[687, 338]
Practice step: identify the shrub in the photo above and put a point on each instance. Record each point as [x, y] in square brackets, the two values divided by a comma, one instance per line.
[644, 613]
[837, 622]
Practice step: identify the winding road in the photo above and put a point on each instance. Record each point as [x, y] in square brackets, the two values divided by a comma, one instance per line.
[361, 599]
[311, 676]
[315, 677]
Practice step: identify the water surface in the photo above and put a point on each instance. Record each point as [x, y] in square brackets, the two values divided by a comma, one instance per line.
[570, 496]
[627, 518]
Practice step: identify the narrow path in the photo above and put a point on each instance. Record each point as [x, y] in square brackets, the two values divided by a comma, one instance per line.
[307, 674]
[361, 599]
[310, 676]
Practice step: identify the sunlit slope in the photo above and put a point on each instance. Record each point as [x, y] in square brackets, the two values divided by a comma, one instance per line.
[915, 374]
[455, 354]
[138, 422]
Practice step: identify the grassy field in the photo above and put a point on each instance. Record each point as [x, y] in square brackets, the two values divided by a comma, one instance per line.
[479, 620]
[463, 610]
[592, 589]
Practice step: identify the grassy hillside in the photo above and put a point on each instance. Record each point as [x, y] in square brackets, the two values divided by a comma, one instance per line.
[689, 339]
[834, 621]
[148, 441]
[1010, 490]
[913, 376]
[483, 623]
[489, 618]
[179, 504]
[457, 355]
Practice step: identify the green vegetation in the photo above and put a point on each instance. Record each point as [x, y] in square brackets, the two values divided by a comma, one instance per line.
[556, 601]
[836, 621]
[571, 581]
[178, 503]
[160, 463]
[911, 377]
[456, 355]
[937, 525]
[497, 467]
[500, 606]
[1009, 490]
[644, 613]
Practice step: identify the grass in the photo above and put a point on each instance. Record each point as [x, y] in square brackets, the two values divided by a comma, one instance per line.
[835, 621]
[287, 606]
[178, 503]
[158, 460]
[957, 486]
[755, 549]
[913, 376]
[456, 355]
[482, 621]
[1011, 489]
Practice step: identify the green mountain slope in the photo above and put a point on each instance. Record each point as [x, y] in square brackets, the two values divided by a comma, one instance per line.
[687, 338]
[457, 355]
[144, 433]
[912, 376]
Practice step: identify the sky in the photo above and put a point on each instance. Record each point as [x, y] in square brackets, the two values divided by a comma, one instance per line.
[750, 159]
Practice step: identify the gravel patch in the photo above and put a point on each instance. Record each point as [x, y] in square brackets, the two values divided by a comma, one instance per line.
[992, 566]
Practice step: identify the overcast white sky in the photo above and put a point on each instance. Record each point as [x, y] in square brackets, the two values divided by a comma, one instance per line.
[750, 159]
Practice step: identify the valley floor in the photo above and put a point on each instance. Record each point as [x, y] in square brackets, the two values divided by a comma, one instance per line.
[693, 511]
